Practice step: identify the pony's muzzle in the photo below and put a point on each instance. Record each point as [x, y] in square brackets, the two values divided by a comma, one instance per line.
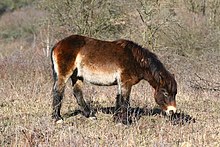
[170, 110]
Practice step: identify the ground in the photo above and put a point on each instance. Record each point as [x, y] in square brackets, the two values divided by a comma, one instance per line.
[26, 83]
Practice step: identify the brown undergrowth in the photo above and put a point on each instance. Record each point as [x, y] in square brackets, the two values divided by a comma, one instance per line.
[25, 106]
[26, 84]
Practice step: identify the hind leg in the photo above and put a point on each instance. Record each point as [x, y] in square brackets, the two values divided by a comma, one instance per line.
[77, 92]
[58, 91]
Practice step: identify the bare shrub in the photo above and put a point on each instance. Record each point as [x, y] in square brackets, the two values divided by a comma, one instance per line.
[101, 19]
[187, 43]
[193, 32]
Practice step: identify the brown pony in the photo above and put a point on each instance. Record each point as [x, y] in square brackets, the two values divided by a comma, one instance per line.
[105, 63]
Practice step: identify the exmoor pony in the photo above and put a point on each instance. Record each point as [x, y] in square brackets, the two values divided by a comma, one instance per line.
[105, 63]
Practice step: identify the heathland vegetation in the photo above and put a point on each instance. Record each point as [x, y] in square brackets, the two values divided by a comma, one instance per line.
[185, 35]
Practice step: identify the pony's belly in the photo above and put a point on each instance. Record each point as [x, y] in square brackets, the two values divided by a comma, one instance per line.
[102, 78]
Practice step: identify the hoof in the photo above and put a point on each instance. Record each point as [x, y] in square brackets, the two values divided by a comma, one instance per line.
[89, 114]
[85, 113]
[93, 117]
[122, 118]
[59, 121]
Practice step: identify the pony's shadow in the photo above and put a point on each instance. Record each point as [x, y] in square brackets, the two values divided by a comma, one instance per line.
[136, 113]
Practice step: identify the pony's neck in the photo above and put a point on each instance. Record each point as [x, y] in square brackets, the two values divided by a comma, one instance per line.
[153, 69]
[149, 77]
[156, 74]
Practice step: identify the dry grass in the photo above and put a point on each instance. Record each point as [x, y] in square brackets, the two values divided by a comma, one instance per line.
[25, 104]
[25, 109]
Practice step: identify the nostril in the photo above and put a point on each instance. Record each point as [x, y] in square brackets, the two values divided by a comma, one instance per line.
[171, 112]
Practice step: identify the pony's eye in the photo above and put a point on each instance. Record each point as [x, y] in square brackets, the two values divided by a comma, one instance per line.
[165, 94]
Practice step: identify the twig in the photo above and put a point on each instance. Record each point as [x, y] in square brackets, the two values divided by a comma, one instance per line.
[208, 85]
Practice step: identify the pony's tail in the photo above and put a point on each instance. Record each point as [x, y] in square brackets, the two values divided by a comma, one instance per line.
[53, 62]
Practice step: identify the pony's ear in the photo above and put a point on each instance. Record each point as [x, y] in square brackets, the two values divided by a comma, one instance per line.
[161, 79]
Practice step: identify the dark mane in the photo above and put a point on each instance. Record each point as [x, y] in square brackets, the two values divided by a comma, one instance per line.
[146, 59]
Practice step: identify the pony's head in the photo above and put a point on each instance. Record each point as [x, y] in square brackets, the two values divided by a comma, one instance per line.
[165, 94]
[156, 74]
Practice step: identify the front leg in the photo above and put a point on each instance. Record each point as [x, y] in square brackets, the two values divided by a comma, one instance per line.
[123, 104]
